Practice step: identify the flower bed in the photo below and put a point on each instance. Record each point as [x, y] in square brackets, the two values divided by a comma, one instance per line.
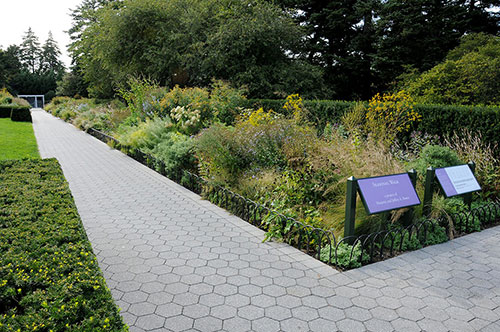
[49, 276]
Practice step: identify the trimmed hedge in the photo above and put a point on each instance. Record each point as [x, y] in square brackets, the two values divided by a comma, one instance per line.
[5, 111]
[49, 276]
[320, 111]
[436, 119]
[20, 113]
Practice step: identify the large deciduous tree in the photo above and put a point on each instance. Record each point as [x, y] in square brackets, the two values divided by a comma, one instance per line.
[248, 42]
[469, 75]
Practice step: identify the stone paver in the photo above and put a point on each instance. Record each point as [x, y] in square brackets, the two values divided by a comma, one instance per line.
[177, 263]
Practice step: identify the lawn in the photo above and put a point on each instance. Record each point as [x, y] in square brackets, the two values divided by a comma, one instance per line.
[17, 140]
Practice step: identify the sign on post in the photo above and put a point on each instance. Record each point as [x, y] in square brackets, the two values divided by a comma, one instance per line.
[386, 193]
[379, 194]
[457, 180]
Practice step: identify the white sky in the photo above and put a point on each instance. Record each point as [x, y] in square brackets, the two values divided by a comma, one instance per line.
[42, 16]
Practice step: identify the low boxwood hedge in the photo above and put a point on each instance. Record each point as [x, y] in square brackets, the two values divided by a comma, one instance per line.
[49, 276]
[5, 111]
[20, 113]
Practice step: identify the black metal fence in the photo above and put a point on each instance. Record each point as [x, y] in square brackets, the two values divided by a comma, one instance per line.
[346, 253]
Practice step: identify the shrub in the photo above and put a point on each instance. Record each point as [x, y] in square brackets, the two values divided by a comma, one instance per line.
[5, 111]
[140, 99]
[96, 118]
[187, 120]
[346, 256]
[49, 277]
[20, 113]
[177, 153]
[225, 101]
[389, 115]
[20, 102]
[220, 155]
[5, 97]
[146, 135]
[436, 156]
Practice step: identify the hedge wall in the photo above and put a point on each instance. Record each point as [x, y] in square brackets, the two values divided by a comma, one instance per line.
[5, 111]
[20, 113]
[436, 119]
[320, 111]
[49, 276]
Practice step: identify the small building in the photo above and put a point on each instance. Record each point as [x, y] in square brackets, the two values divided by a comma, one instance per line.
[36, 101]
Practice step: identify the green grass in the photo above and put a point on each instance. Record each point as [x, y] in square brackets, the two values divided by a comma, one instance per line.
[17, 140]
[49, 276]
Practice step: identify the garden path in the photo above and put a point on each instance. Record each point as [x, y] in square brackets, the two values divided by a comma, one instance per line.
[175, 262]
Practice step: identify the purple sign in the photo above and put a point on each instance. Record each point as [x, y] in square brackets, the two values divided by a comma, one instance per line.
[385, 193]
[457, 180]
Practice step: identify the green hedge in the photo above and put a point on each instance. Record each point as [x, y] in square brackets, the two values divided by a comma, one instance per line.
[20, 113]
[5, 111]
[320, 111]
[436, 119]
[49, 276]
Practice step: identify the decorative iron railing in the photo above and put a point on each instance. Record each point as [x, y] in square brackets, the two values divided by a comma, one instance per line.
[322, 244]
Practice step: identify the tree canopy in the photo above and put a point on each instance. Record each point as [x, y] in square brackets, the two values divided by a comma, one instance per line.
[469, 75]
[251, 43]
[326, 49]
[31, 68]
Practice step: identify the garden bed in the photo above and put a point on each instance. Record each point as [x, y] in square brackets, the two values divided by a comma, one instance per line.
[49, 276]
[342, 253]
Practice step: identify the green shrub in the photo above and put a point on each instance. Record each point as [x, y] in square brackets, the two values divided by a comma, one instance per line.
[49, 277]
[92, 118]
[346, 257]
[176, 151]
[146, 135]
[5, 111]
[436, 156]
[20, 113]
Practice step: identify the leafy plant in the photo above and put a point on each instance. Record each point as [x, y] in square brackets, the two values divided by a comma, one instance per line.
[390, 114]
[344, 255]
[436, 156]
[49, 276]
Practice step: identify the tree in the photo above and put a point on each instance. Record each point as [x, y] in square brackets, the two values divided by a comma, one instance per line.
[30, 52]
[419, 33]
[191, 42]
[469, 75]
[10, 66]
[50, 61]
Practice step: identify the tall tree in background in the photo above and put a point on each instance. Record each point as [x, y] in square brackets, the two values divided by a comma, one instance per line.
[84, 16]
[30, 68]
[50, 57]
[337, 49]
[340, 38]
[249, 42]
[30, 52]
[10, 66]
[419, 33]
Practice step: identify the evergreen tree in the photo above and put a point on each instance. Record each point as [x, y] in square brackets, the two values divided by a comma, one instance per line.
[10, 66]
[30, 52]
[50, 61]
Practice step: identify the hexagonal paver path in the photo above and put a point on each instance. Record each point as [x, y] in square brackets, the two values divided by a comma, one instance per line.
[177, 263]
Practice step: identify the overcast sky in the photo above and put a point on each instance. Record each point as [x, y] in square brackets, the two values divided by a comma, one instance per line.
[42, 16]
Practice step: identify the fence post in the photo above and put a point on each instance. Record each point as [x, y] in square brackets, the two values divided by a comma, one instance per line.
[468, 197]
[407, 218]
[350, 208]
[429, 190]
